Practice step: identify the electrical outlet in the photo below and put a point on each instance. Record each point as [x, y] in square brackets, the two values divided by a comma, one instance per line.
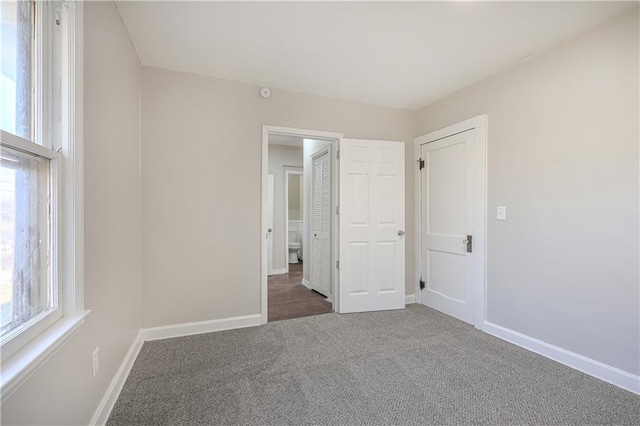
[501, 213]
[96, 362]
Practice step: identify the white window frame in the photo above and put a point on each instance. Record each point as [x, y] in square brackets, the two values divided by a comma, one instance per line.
[18, 338]
[62, 130]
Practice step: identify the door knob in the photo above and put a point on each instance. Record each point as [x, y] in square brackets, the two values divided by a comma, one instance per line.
[401, 232]
[269, 230]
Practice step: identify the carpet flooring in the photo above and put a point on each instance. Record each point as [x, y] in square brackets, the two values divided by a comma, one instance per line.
[408, 367]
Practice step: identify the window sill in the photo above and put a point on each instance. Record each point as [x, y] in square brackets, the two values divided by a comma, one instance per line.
[20, 366]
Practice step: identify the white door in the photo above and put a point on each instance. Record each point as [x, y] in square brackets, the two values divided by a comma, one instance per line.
[447, 219]
[269, 224]
[372, 246]
[320, 265]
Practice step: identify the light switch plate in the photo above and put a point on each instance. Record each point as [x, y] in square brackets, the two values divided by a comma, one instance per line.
[501, 213]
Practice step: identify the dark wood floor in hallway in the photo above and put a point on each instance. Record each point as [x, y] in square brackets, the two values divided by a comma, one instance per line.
[288, 298]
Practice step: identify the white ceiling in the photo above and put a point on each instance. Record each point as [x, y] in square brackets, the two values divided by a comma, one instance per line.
[402, 54]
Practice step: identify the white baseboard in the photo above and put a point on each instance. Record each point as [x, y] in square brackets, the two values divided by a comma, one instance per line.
[187, 329]
[306, 283]
[597, 369]
[278, 271]
[409, 299]
[109, 399]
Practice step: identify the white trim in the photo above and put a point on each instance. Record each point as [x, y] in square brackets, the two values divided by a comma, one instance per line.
[594, 368]
[479, 123]
[190, 328]
[17, 369]
[20, 144]
[289, 170]
[102, 413]
[73, 165]
[409, 299]
[278, 271]
[306, 283]
[312, 134]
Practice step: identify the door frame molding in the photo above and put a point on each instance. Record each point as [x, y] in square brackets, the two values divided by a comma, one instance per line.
[270, 270]
[480, 124]
[331, 137]
[288, 170]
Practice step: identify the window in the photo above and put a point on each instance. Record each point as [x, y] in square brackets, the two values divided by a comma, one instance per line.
[39, 163]
[28, 287]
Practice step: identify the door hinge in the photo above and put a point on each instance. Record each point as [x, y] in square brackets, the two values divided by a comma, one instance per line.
[337, 264]
[421, 163]
[422, 284]
[337, 209]
[338, 154]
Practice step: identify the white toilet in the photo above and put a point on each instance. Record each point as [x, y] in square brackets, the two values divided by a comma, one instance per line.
[294, 246]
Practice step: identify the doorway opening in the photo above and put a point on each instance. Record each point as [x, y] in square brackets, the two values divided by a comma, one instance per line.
[299, 175]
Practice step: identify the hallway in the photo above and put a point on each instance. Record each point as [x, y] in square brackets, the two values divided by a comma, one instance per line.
[288, 298]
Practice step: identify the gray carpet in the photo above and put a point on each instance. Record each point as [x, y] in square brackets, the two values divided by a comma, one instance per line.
[415, 366]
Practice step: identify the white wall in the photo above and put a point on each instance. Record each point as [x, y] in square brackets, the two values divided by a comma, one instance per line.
[196, 132]
[280, 156]
[310, 147]
[62, 390]
[563, 157]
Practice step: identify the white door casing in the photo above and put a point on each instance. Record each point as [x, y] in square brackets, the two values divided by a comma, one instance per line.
[372, 225]
[331, 137]
[451, 197]
[320, 226]
[269, 235]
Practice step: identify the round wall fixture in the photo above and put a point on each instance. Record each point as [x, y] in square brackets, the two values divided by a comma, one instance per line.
[265, 92]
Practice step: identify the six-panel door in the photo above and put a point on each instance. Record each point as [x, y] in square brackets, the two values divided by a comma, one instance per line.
[372, 225]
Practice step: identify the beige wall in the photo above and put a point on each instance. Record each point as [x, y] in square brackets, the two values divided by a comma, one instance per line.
[196, 132]
[280, 156]
[62, 391]
[294, 197]
[563, 158]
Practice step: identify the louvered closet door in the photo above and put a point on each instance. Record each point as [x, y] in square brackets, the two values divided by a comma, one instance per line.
[320, 268]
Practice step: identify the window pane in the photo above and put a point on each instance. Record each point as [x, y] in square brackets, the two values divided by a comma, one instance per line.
[25, 278]
[16, 67]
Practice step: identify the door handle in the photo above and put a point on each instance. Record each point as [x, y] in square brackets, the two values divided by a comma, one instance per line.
[401, 232]
[269, 230]
[469, 243]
